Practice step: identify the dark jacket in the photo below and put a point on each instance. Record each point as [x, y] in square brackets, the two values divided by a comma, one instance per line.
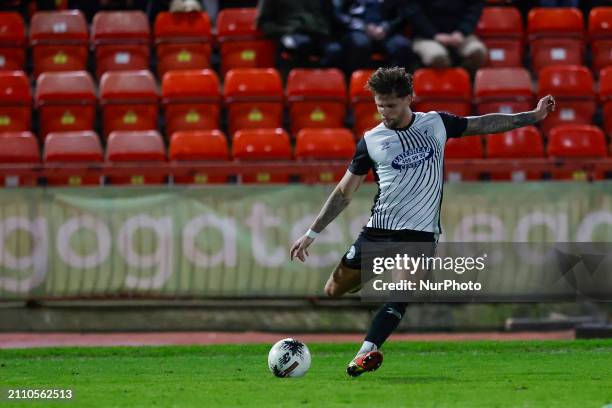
[351, 15]
[279, 17]
[430, 17]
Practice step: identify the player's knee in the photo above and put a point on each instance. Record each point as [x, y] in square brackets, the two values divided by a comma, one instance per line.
[332, 290]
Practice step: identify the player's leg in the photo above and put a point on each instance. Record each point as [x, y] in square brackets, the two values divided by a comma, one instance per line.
[342, 280]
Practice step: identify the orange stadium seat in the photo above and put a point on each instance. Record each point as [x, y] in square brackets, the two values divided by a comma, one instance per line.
[576, 141]
[182, 41]
[501, 30]
[316, 98]
[325, 144]
[556, 36]
[254, 98]
[525, 142]
[365, 114]
[15, 102]
[129, 101]
[121, 40]
[191, 100]
[199, 145]
[506, 90]
[73, 147]
[600, 34]
[242, 44]
[605, 96]
[443, 90]
[12, 41]
[59, 41]
[572, 87]
[18, 147]
[66, 101]
[469, 147]
[135, 146]
[262, 144]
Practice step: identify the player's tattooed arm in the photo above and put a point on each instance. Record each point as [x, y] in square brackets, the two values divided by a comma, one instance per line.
[335, 204]
[500, 122]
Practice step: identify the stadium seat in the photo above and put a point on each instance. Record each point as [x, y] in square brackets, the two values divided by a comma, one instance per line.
[129, 101]
[135, 146]
[121, 40]
[262, 144]
[605, 96]
[15, 102]
[501, 30]
[442, 90]
[572, 87]
[73, 147]
[316, 98]
[242, 45]
[525, 142]
[505, 90]
[18, 147]
[324, 144]
[199, 145]
[365, 113]
[556, 36]
[12, 41]
[576, 141]
[191, 100]
[254, 98]
[469, 147]
[600, 35]
[182, 41]
[66, 101]
[59, 41]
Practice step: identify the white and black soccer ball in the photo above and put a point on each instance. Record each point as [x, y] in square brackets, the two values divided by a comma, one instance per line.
[289, 358]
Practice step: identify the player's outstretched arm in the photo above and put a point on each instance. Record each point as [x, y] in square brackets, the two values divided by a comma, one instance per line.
[337, 201]
[501, 122]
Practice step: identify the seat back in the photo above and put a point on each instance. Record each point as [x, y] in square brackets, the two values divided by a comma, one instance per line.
[600, 34]
[506, 90]
[365, 114]
[605, 96]
[576, 141]
[12, 41]
[136, 146]
[15, 102]
[442, 89]
[73, 147]
[324, 144]
[262, 144]
[525, 142]
[199, 145]
[469, 147]
[501, 30]
[18, 147]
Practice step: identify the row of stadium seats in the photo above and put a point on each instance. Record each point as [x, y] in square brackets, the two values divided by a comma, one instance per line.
[255, 98]
[566, 141]
[122, 40]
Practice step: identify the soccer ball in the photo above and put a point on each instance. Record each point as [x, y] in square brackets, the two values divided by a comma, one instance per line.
[289, 358]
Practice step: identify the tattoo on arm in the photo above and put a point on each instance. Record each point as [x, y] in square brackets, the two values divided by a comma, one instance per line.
[334, 205]
[498, 122]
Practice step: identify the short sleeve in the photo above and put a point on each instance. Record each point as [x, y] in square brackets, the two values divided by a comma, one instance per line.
[361, 162]
[454, 125]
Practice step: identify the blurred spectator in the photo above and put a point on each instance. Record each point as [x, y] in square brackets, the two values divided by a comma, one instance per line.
[373, 25]
[185, 6]
[559, 3]
[302, 29]
[443, 31]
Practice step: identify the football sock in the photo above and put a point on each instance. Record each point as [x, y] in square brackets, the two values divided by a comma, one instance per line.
[367, 346]
[386, 320]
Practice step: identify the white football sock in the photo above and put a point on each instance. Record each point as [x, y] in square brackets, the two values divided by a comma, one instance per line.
[367, 346]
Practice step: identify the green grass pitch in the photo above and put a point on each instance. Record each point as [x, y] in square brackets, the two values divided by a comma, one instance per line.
[457, 374]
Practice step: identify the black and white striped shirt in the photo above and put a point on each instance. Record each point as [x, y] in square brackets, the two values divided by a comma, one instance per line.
[408, 165]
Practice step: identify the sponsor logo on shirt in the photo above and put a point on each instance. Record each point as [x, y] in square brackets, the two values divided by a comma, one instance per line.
[412, 158]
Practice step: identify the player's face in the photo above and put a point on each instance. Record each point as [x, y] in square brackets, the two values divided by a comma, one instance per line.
[393, 110]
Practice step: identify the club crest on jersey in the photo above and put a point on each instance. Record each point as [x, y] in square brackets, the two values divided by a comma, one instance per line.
[412, 158]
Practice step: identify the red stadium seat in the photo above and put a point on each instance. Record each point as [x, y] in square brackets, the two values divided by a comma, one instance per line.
[525, 142]
[242, 44]
[572, 87]
[129, 101]
[182, 40]
[262, 144]
[199, 145]
[135, 146]
[59, 41]
[254, 98]
[73, 147]
[121, 40]
[576, 141]
[501, 30]
[443, 90]
[18, 147]
[365, 112]
[15, 102]
[66, 101]
[506, 90]
[467, 147]
[605, 96]
[191, 100]
[316, 98]
[12, 41]
[325, 144]
[600, 34]
[556, 36]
